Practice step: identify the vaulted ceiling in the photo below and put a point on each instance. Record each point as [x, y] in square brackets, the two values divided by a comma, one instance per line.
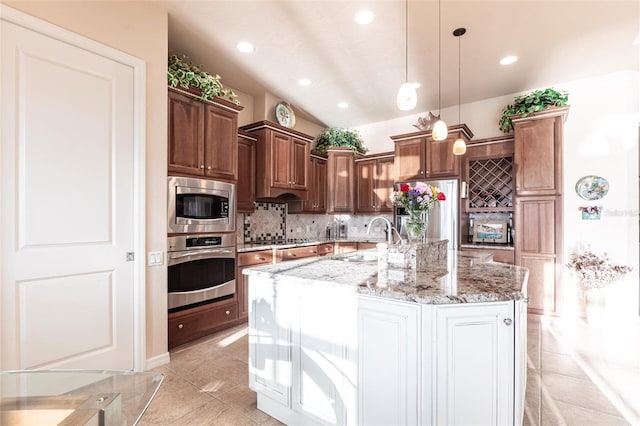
[364, 65]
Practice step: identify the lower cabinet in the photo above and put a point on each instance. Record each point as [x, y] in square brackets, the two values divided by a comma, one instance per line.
[186, 326]
[375, 361]
[388, 362]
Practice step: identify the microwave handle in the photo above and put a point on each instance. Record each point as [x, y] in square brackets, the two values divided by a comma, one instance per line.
[199, 254]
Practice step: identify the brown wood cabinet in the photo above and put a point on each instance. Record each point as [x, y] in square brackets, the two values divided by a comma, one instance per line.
[342, 247]
[282, 155]
[502, 256]
[202, 137]
[282, 255]
[246, 185]
[317, 201]
[538, 207]
[340, 180]
[191, 324]
[374, 184]
[247, 260]
[418, 156]
[538, 152]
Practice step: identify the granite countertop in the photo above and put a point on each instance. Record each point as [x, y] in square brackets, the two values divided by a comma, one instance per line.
[489, 246]
[467, 277]
[257, 246]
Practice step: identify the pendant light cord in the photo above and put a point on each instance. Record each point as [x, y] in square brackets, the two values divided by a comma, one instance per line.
[406, 41]
[439, 60]
[459, 78]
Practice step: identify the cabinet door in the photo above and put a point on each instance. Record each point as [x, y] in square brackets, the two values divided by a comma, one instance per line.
[388, 362]
[245, 187]
[440, 159]
[340, 182]
[299, 160]
[280, 161]
[384, 178]
[410, 159]
[538, 221]
[474, 364]
[520, 359]
[320, 183]
[269, 340]
[221, 143]
[186, 135]
[537, 157]
[365, 186]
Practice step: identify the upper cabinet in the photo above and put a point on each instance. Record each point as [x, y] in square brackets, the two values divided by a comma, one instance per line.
[202, 137]
[246, 186]
[538, 152]
[282, 155]
[418, 156]
[374, 183]
[317, 202]
[340, 180]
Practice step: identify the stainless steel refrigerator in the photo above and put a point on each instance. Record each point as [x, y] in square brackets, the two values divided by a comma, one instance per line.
[443, 218]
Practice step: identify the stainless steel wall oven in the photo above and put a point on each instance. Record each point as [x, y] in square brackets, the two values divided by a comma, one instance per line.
[201, 269]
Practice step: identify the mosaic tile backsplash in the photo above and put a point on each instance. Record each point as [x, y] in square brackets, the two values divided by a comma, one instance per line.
[271, 221]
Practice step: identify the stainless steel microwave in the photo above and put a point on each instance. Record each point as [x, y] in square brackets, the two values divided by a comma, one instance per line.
[200, 205]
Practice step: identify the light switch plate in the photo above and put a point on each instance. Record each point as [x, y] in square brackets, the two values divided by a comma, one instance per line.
[155, 258]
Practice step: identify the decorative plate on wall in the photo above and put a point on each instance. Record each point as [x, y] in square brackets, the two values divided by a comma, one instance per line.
[592, 187]
[285, 115]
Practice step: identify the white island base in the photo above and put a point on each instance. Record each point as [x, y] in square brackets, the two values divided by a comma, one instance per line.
[322, 352]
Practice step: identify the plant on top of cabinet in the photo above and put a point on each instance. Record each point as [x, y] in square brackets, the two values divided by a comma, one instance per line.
[334, 136]
[535, 101]
[183, 73]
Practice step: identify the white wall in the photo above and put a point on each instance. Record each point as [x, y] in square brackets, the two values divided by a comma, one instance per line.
[600, 138]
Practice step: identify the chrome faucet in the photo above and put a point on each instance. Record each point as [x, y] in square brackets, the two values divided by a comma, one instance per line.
[390, 228]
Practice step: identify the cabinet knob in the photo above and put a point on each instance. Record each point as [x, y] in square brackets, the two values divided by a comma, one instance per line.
[518, 187]
[227, 312]
[202, 166]
[208, 167]
[180, 326]
[508, 321]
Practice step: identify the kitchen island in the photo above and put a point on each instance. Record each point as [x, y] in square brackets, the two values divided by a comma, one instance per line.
[341, 340]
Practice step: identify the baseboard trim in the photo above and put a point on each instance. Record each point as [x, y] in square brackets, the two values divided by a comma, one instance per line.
[157, 361]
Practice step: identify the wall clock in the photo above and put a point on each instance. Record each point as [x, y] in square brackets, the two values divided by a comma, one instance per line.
[285, 115]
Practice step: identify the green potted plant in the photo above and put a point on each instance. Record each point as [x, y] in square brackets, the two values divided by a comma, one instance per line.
[530, 103]
[183, 73]
[338, 137]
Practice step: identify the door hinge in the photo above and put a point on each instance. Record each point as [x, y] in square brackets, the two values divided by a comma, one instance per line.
[130, 256]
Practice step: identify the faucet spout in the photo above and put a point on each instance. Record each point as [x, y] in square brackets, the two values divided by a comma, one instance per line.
[390, 228]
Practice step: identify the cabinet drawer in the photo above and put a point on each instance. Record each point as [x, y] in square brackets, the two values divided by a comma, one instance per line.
[325, 249]
[186, 326]
[344, 247]
[296, 253]
[255, 257]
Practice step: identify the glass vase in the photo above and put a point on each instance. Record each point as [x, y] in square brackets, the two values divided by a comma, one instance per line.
[416, 226]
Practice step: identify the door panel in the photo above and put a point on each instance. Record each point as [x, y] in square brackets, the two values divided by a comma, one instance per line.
[68, 212]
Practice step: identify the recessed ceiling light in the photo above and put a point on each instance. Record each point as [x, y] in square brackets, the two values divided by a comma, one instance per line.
[343, 105]
[364, 17]
[508, 60]
[416, 85]
[245, 47]
[304, 82]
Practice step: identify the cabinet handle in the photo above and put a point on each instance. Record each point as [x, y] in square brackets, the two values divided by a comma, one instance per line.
[202, 166]
[227, 312]
[180, 325]
[517, 187]
[260, 258]
[508, 321]
[208, 167]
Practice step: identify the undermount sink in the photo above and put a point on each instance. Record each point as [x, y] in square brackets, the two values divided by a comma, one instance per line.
[357, 257]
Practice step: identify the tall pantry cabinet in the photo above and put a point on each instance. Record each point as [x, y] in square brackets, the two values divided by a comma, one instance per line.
[538, 204]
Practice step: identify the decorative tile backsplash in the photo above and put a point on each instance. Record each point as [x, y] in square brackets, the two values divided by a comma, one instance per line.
[270, 221]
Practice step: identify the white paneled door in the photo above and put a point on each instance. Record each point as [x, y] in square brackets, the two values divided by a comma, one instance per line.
[68, 211]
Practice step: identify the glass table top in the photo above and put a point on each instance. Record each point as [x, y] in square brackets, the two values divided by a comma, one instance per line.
[76, 397]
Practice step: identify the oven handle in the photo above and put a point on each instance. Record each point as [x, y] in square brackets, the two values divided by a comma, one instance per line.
[175, 259]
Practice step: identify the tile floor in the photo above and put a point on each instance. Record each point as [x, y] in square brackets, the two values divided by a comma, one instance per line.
[570, 381]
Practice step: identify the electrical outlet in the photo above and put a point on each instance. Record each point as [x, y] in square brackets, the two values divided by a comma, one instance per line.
[155, 258]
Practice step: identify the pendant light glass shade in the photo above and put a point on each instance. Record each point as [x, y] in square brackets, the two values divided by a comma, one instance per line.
[407, 97]
[459, 147]
[440, 131]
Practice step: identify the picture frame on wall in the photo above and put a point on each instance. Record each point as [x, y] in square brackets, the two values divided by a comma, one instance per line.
[490, 231]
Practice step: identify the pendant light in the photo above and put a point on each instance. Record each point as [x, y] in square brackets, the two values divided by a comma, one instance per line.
[459, 147]
[407, 97]
[440, 131]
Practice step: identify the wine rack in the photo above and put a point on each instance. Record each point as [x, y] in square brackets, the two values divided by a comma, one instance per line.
[491, 184]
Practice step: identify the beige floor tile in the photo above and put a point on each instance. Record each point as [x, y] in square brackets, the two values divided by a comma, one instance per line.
[215, 413]
[571, 415]
[244, 400]
[553, 362]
